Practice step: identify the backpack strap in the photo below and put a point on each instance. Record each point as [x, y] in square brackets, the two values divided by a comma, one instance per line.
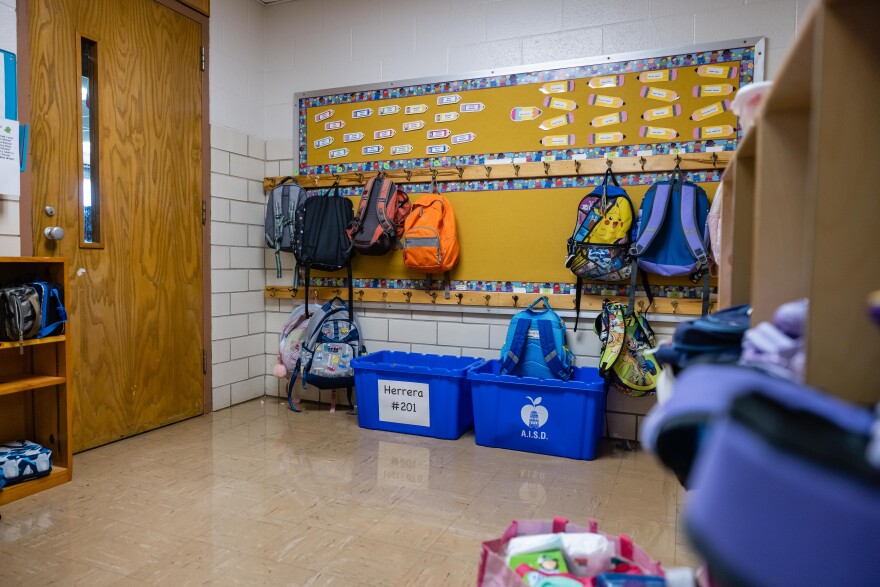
[290, 384]
[384, 194]
[358, 221]
[308, 278]
[689, 223]
[612, 348]
[694, 239]
[446, 285]
[548, 349]
[517, 345]
[279, 228]
[656, 215]
[577, 301]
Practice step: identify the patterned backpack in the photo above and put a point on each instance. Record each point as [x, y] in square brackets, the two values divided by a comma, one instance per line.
[331, 341]
[626, 335]
[378, 225]
[598, 249]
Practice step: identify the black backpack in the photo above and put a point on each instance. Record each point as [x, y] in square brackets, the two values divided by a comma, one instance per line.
[320, 240]
[281, 207]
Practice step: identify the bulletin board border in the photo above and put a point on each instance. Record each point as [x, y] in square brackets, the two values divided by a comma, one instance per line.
[749, 51]
[580, 181]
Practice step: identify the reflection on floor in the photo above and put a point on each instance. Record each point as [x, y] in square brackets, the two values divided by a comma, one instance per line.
[257, 495]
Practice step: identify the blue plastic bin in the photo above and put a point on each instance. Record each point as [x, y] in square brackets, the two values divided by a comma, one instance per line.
[428, 395]
[547, 416]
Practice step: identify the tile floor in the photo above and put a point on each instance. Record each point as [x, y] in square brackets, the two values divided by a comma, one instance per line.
[257, 495]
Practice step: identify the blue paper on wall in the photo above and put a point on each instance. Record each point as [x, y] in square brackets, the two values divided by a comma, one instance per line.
[8, 87]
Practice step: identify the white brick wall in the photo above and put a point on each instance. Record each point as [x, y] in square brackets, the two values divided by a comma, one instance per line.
[237, 267]
[457, 36]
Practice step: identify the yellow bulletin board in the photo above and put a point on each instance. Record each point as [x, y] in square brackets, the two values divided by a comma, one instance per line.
[513, 230]
[564, 117]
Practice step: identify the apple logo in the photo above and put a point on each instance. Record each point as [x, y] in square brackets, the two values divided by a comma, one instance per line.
[534, 415]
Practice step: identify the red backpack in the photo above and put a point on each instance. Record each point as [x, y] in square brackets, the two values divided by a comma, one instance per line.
[378, 224]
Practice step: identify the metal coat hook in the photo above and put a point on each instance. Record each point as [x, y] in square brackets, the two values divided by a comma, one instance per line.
[460, 172]
[677, 160]
[433, 295]
[546, 168]
[515, 300]
[360, 177]
[714, 159]
[407, 295]
[577, 167]
[384, 296]
[337, 292]
[488, 170]
[609, 163]
[315, 294]
[272, 292]
[316, 178]
[516, 170]
[487, 297]
[408, 174]
[460, 297]
[674, 304]
[641, 306]
[360, 295]
[642, 160]
[433, 175]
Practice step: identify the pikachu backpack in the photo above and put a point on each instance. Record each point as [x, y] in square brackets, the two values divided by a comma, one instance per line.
[598, 249]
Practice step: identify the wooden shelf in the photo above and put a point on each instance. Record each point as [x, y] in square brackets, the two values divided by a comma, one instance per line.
[57, 476]
[813, 133]
[35, 402]
[32, 342]
[26, 382]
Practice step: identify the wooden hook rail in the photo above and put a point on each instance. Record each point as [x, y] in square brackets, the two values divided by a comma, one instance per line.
[686, 307]
[534, 169]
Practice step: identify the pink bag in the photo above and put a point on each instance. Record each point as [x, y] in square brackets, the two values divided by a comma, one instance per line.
[494, 571]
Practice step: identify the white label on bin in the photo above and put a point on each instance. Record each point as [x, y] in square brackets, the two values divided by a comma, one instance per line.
[404, 402]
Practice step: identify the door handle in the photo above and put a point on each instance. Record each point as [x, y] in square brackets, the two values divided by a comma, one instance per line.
[54, 233]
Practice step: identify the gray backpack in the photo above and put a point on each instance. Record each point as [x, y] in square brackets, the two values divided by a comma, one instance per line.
[281, 210]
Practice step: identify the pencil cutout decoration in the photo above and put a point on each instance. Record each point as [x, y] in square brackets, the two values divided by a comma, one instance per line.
[605, 101]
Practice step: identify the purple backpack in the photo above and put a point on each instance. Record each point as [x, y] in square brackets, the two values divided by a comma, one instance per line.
[783, 492]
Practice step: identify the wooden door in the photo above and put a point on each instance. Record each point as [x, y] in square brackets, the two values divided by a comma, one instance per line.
[136, 295]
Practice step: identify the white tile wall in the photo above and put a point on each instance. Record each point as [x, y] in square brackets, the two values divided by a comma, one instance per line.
[237, 266]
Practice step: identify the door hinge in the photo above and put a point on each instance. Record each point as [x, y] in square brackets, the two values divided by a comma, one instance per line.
[202, 58]
[204, 361]
[204, 212]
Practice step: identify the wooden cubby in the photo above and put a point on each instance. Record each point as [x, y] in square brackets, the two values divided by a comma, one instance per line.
[804, 198]
[34, 400]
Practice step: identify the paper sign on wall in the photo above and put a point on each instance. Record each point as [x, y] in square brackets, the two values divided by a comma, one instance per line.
[404, 402]
[10, 166]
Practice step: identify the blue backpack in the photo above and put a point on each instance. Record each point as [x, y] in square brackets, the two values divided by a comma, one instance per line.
[672, 237]
[535, 345]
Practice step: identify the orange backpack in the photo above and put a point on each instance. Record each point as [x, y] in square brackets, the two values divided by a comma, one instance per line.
[430, 241]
